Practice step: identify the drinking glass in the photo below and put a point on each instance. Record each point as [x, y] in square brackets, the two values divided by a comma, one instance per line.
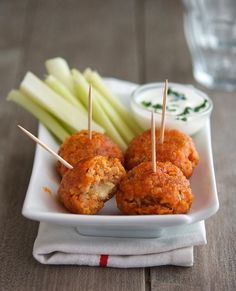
[210, 30]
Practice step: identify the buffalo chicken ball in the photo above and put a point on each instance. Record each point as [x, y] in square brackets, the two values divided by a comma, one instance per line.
[91, 182]
[78, 146]
[178, 148]
[142, 191]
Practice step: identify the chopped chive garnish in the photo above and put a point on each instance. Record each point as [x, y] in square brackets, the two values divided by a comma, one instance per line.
[186, 111]
[146, 103]
[157, 106]
[182, 118]
[176, 94]
[203, 105]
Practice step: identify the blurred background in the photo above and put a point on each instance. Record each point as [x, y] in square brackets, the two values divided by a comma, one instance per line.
[124, 39]
[136, 40]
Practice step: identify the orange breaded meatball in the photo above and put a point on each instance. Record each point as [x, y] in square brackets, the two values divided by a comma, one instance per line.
[93, 181]
[78, 146]
[178, 148]
[165, 192]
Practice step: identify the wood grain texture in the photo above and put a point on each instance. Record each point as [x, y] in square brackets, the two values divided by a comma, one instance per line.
[136, 40]
[167, 55]
[99, 34]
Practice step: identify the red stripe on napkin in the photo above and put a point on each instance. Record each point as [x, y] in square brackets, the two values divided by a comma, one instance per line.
[103, 260]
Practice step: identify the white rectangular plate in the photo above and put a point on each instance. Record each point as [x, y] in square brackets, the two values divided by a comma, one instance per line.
[43, 205]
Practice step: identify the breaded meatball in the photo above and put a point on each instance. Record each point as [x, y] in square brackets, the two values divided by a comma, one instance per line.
[91, 182]
[78, 146]
[178, 148]
[165, 192]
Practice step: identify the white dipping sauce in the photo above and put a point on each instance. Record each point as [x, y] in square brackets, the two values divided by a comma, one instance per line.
[187, 108]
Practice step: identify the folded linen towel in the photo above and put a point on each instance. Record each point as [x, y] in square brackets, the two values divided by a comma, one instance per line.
[63, 245]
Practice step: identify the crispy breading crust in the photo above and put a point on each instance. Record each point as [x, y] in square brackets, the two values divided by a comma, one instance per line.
[79, 190]
[78, 146]
[177, 148]
[165, 192]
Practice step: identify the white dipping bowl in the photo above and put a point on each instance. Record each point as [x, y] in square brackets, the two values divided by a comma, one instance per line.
[195, 121]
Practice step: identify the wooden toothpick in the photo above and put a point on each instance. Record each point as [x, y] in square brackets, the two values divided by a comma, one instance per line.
[163, 115]
[90, 105]
[34, 138]
[153, 133]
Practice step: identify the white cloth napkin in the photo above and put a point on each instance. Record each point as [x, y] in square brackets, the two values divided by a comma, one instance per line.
[65, 246]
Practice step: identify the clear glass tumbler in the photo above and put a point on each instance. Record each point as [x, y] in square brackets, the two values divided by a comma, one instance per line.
[210, 30]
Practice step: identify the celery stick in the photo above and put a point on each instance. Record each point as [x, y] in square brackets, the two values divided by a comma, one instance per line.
[117, 121]
[48, 120]
[115, 118]
[40, 93]
[95, 79]
[59, 68]
[99, 115]
[62, 90]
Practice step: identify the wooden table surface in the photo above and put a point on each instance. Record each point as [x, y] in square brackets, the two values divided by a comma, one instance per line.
[141, 41]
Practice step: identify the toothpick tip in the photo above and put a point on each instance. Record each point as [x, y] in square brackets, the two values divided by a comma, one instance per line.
[163, 112]
[38, 141]
[22, 128]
